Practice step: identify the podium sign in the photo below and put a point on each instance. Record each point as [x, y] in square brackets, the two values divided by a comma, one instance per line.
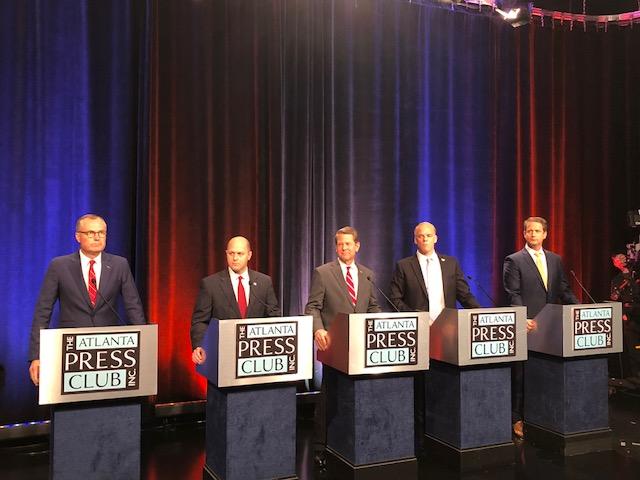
[578, 330]
[371, 343]
[253, 351]
[479, 336]
[98, 363]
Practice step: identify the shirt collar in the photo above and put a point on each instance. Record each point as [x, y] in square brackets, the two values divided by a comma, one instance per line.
[85, 260]
[533, 252]
[424, 258]
[344, 265]
[234, 275]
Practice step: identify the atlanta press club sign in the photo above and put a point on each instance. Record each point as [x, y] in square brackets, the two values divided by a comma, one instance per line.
[493, 334]
[391, 341]
[100, 362]
[266, 349]
[592, 328]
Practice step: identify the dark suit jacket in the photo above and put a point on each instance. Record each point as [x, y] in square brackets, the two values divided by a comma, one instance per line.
[63, 282]
[524, 286]
[329, 296]
[409, 292]
[217, 300]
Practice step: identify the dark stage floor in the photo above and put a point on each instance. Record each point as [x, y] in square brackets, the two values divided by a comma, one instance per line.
[176, 451]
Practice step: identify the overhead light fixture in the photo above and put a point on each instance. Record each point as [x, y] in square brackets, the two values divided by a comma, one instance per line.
[515, 12]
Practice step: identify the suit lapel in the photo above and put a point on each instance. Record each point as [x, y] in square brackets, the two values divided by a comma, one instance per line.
[254, 293]
[364, 292]
[76, 274]
[415, 266]
[106, 278]
[342, 284]
[227, 288]
[532, 265]
[445, 268]
[550, 268]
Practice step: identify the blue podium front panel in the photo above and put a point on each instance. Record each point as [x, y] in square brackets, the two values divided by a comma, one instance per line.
[566, 395]
[468, 407]
[369, 419]
[90, 441]
[251, 432]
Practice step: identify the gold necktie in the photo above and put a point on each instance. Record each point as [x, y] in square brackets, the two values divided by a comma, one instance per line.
[542, 268]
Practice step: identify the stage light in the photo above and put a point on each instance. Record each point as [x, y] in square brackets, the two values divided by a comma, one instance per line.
[515, 12]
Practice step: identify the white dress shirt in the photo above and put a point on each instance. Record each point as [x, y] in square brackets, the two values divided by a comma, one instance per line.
[432, 274]
[97, 268]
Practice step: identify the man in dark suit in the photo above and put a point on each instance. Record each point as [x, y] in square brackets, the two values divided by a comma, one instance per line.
[428, 281]
[86, 284]
[442, 273]
[532, 277]
[341, 286]
[235, 292]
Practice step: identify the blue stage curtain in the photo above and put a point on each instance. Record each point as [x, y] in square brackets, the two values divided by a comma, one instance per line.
[284, 121]
[68, 146]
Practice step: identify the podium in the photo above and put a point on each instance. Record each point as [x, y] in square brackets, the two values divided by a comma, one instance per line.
[370, 392]
[251, 403]
[565, 378]
[468, 386]
[88, 374]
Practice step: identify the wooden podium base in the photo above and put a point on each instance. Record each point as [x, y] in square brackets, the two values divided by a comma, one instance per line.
[469, 459]
[251, 432]
[95, 440]
[570, 444]
[339, 468]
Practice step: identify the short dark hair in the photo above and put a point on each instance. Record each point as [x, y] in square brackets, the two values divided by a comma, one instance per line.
[88, 216]
[347, 231]
[539, 220]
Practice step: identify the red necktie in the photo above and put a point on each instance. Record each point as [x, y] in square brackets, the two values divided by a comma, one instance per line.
[93, 291]
[242, 299]
[351, 287]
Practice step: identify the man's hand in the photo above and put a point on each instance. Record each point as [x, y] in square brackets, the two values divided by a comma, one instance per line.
[322, 339]
[198, 355]
[531, 325]
[34, 372]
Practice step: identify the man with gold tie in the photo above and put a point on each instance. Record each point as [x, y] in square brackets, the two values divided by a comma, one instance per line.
[532, 277]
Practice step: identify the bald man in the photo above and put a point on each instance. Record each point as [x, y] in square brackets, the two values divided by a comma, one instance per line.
[219, 295]
[428, 281]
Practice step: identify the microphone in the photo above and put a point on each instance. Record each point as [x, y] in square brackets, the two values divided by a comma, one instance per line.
[253, 283]
[477, 284]
[94, 283]
[368, 277]
[582, 286]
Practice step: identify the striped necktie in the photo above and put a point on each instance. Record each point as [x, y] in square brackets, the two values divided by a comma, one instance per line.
[351, 287]
[93, 290]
